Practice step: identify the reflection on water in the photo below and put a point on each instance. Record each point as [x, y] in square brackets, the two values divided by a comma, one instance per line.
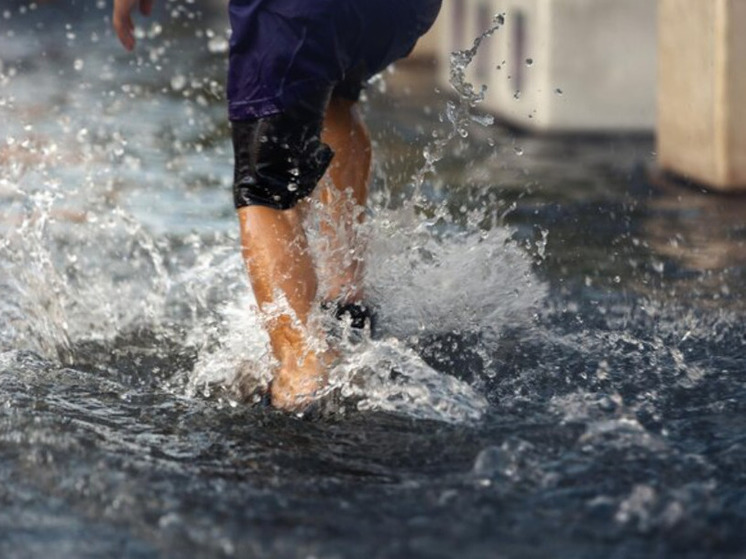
[701, 236]
[559, 370]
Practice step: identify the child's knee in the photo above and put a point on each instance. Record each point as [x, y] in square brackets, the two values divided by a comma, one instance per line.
[279, 160]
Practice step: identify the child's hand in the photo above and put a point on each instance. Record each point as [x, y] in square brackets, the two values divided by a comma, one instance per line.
[122, 19]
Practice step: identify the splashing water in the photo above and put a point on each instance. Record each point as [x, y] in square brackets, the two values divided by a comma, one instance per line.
[110, 273]
[558, 368]
[458, 113]
[424, 284]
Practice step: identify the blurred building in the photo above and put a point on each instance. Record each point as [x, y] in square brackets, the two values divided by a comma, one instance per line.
[593, 66]
[557, 65]
[702, 91]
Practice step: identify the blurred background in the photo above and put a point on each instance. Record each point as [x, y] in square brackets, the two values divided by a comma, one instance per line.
[646, 89]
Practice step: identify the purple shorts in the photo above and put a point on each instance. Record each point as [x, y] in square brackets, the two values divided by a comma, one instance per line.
[286, 52]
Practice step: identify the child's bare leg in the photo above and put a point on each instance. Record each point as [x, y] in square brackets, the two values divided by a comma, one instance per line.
[275, 250]
[344, 197]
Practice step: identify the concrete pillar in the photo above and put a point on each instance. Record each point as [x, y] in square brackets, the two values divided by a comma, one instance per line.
[702, 91]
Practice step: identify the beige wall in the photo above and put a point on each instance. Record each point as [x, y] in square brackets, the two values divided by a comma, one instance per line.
[702, 91]
[736, 94]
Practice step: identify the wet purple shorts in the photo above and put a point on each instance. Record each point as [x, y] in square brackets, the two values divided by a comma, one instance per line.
[287, 52]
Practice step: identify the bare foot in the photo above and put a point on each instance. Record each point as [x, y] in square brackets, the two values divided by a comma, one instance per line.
[296, 384]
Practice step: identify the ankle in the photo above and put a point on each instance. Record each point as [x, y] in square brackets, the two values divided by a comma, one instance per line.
[297, 382]
[360, 314]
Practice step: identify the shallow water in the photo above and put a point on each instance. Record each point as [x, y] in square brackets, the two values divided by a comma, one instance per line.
[559, 369]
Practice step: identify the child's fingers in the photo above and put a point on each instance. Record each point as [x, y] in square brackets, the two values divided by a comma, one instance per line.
[125, 29]
[146, 7]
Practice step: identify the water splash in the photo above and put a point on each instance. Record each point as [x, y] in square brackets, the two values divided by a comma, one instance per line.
[459, 113]
[106, 268]
[424, 282]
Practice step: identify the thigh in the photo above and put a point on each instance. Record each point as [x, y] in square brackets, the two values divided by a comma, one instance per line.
[391, 29]
[279, 159]
[378, 34]
[284, 51]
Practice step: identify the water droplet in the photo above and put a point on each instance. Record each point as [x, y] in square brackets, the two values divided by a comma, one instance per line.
[178, 82]
[483, 120]
[517, 94]
[78, 65]
[217, 45]
[558, 91]
[155, 30]
[529, 62]
[518, 150]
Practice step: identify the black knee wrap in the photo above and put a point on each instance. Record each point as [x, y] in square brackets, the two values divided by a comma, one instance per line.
[279, 160]
[360, 315]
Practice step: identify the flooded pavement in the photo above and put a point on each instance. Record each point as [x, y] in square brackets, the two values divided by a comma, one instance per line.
[560, 369]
